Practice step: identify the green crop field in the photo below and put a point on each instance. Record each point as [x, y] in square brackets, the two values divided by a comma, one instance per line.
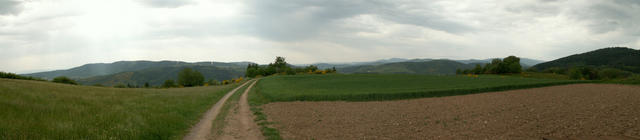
[366, 87]
[44, 110]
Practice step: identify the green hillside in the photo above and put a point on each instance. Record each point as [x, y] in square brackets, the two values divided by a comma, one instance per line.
[618, 57]
[45, 110]
[99, 69]
[434, 67]
[157, 75]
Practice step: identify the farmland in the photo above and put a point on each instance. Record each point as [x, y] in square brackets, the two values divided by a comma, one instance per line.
[370, 87]
[43, 110]
[577, 111]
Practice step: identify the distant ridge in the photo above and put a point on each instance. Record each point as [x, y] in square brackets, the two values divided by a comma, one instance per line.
[100, 69]
[617, 57]
[157, 75]
[433, 67]
[525, 62]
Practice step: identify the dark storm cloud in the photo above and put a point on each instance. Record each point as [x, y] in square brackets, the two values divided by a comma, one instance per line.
[289, 20]
[166, 3]
[8, 7]
[619, 15]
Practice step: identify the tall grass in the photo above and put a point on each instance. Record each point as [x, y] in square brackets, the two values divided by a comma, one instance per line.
[44, 110]
[368, 87]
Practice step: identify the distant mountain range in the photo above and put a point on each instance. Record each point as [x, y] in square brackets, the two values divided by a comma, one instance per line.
[617, 57]
[433, 67]
[139, 72]
[156, 72]
[100, 69]
[525, 62]
[157, 75]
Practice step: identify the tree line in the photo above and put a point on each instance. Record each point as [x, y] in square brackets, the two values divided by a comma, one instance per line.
[280, 66]
[510, 64]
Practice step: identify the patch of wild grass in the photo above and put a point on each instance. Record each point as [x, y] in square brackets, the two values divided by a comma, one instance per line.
[43, 110]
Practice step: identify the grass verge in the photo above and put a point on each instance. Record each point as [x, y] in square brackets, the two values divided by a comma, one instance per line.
[256, 100]
[44, 110]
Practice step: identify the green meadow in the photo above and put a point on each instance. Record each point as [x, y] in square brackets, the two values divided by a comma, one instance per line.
[44, 110]
[368, 87]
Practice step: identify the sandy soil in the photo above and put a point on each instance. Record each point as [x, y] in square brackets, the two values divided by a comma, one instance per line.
[239, 124]
[581, 110]
[202, 129]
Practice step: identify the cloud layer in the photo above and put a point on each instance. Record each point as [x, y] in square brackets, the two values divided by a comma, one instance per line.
[42, 35]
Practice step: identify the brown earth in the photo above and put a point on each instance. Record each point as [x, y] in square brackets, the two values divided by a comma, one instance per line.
[581, 110]
[239, 124]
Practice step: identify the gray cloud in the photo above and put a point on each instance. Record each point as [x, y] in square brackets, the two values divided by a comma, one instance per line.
[307, 30]
[10, 7]
[608, 16]
[294, 19]
[166, 3]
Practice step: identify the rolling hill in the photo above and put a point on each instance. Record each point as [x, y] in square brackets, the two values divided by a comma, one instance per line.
[617, 57]
[433, 67]
[525, 62]
[157, 75]
[99, 69]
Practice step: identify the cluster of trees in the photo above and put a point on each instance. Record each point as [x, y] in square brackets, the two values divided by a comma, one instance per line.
[188, 77]
[280, 66]
[507, 65]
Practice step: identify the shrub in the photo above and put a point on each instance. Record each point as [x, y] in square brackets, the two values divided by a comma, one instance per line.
[583, 73]
[168, 84]
[64, 80]
[611, 73]
[120, 85]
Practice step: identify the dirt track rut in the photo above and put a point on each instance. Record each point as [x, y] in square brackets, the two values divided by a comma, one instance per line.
[202, 129]
[239, 123]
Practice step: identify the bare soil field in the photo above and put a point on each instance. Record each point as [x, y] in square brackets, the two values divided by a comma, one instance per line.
[580, 110]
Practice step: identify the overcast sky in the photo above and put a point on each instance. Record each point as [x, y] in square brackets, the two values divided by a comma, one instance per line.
[60, 34]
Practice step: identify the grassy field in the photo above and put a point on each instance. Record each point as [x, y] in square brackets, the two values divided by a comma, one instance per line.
[366, 87]
[44, 110]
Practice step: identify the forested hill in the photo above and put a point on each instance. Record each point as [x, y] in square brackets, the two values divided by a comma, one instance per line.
[434, 67]
[617, 57]
[157, 75]
[99, 69]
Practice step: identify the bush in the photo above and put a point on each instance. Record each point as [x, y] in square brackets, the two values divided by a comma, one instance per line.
[120, 85]
[188, 78]
[64, 80]
[611, 73]
[583, 73]
[168, 84]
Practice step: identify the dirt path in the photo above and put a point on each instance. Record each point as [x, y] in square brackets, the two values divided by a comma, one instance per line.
[240, 123]
[202, 130]
[580, 110]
